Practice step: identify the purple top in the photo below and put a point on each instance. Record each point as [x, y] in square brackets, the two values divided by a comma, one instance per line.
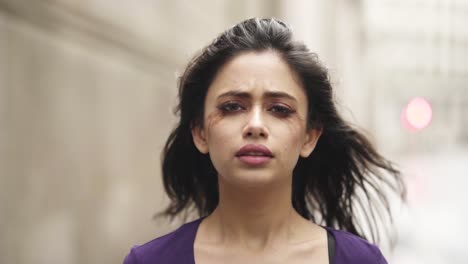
[177, 247]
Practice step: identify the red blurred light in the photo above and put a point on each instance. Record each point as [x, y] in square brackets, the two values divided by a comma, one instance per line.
[417, 114]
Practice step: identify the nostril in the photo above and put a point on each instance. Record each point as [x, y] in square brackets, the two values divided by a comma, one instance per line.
[255, 132]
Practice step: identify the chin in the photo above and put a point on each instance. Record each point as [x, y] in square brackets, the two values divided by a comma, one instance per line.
[252, 179]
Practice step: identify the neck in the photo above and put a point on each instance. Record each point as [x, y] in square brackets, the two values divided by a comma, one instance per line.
[255, 217]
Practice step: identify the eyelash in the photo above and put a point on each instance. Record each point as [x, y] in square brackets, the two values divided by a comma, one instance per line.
[227, 107]
[233, 107]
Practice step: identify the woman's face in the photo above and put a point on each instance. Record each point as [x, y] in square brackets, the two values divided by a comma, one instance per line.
[255, 121]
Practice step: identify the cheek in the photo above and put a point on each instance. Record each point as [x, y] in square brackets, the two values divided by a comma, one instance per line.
[212, 119]
[291, 130]
[219, 132]
[291, 138]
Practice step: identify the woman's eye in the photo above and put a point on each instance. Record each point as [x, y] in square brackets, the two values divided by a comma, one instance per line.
[282, 110]
[231, 107]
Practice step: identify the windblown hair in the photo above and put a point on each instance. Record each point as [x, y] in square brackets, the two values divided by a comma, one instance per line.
[343, 177]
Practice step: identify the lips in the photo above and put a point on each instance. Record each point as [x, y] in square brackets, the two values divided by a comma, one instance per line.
[254, 154]
[254, 150]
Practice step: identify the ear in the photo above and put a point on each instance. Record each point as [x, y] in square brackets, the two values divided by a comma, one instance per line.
[312, 137]
[199, 139]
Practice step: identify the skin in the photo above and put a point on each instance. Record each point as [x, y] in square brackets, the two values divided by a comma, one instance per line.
[256, 98]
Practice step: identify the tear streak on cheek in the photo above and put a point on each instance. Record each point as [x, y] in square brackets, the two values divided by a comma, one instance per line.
[213, 118]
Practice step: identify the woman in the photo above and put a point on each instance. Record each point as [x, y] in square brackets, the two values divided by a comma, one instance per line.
[263, 156]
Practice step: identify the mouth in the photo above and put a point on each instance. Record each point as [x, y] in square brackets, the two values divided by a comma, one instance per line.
[254, 160]
[252, 154]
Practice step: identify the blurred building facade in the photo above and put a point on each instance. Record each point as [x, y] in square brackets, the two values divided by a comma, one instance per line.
[87, 90]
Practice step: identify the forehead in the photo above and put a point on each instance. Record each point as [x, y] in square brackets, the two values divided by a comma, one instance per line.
[257, 73]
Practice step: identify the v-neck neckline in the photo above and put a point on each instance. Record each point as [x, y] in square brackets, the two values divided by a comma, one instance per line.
[196, 225]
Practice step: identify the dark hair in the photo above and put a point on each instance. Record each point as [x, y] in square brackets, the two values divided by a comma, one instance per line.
[344, 176]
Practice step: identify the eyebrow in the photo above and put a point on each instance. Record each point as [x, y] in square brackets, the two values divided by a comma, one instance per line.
[246, 95]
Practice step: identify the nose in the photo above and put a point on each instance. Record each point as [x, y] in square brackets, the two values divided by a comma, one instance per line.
[255, 126]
